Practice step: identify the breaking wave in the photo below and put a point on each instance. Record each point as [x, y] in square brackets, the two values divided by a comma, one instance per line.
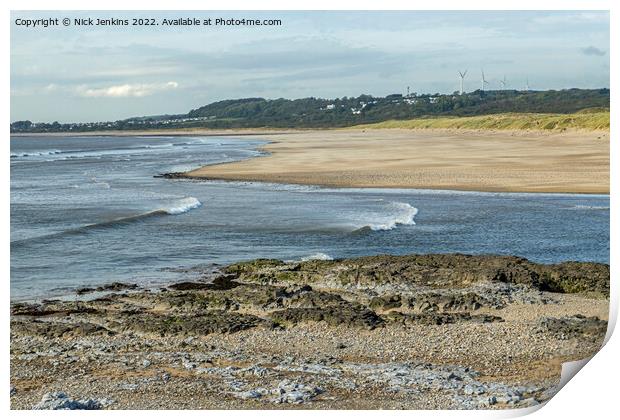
[583, 207]
[54, 155]
[318, 256]
[35, 153]
[178, 207]
[159, 146]
[401, 214]
[182, 206]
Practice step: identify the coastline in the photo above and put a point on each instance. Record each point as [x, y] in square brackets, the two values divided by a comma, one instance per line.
[364, 333]
[535, 161]
[202, 132]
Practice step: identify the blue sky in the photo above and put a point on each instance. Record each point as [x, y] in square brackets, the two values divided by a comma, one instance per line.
[106, 73]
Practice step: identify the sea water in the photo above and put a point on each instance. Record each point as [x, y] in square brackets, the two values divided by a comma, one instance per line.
[86, 211]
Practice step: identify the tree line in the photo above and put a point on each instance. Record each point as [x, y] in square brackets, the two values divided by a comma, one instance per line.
[346, 111]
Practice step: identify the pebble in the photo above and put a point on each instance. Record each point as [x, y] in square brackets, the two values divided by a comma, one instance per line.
[246, 395]
[189, 365]
[61, 401]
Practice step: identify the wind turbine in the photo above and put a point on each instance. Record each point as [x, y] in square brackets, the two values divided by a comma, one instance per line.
[484, 81]
[527, 84]
[462, 74]
[503, 83]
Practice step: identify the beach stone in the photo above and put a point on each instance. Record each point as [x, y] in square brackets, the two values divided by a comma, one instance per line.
[528, 402]
[257, 371]
[84, 290]
[488, 401]
[249, 395]
[224, 282]
[189, 365]
[345, 314]
[189, 340]
[385, 302]
[200, 324]
[116, 286]
[576, 326]
[294, 393]
[438, 318]
[473, 390]
[61, 401]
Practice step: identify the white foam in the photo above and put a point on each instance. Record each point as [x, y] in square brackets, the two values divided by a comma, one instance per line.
[159, 146]
[583, 207]
[183, 205]
[403, 214]
[56, 155]
[318, 256]
[103, 184]
[35, 153]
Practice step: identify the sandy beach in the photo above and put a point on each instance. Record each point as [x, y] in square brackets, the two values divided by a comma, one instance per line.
[510, 161]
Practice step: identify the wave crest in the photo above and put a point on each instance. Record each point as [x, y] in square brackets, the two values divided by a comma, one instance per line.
[318, 256]
[404, 213]
[182, 206]
[584, 207]
[35, 153]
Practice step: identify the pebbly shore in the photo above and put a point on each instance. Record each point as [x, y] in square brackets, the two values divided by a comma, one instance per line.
[382, 332]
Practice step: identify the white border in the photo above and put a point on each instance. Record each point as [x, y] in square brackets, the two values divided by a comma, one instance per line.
[593, 394]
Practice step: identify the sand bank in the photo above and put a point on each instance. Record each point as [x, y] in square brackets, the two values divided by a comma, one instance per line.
[510, 161]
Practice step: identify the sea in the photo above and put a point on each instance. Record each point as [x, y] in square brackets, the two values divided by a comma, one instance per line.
[88, 211]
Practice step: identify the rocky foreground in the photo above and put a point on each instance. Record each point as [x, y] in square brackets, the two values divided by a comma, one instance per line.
[414, 332]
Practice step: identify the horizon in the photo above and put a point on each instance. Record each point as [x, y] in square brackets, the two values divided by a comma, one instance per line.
[79, 74]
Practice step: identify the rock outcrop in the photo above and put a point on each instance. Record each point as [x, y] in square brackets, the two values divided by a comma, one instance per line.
[416, 331]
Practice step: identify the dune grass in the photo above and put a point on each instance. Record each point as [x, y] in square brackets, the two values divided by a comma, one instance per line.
[588, 119]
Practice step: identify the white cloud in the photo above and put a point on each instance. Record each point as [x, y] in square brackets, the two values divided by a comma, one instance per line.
[126, 90]
[563, 18]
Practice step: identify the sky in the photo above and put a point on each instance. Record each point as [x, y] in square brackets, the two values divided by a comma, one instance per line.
[101, 73]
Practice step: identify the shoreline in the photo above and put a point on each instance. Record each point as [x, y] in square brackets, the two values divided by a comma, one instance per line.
[268, 334]
[535, 161]
[260, 131]
[430, 188]
[167, 132]
[100, 290]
